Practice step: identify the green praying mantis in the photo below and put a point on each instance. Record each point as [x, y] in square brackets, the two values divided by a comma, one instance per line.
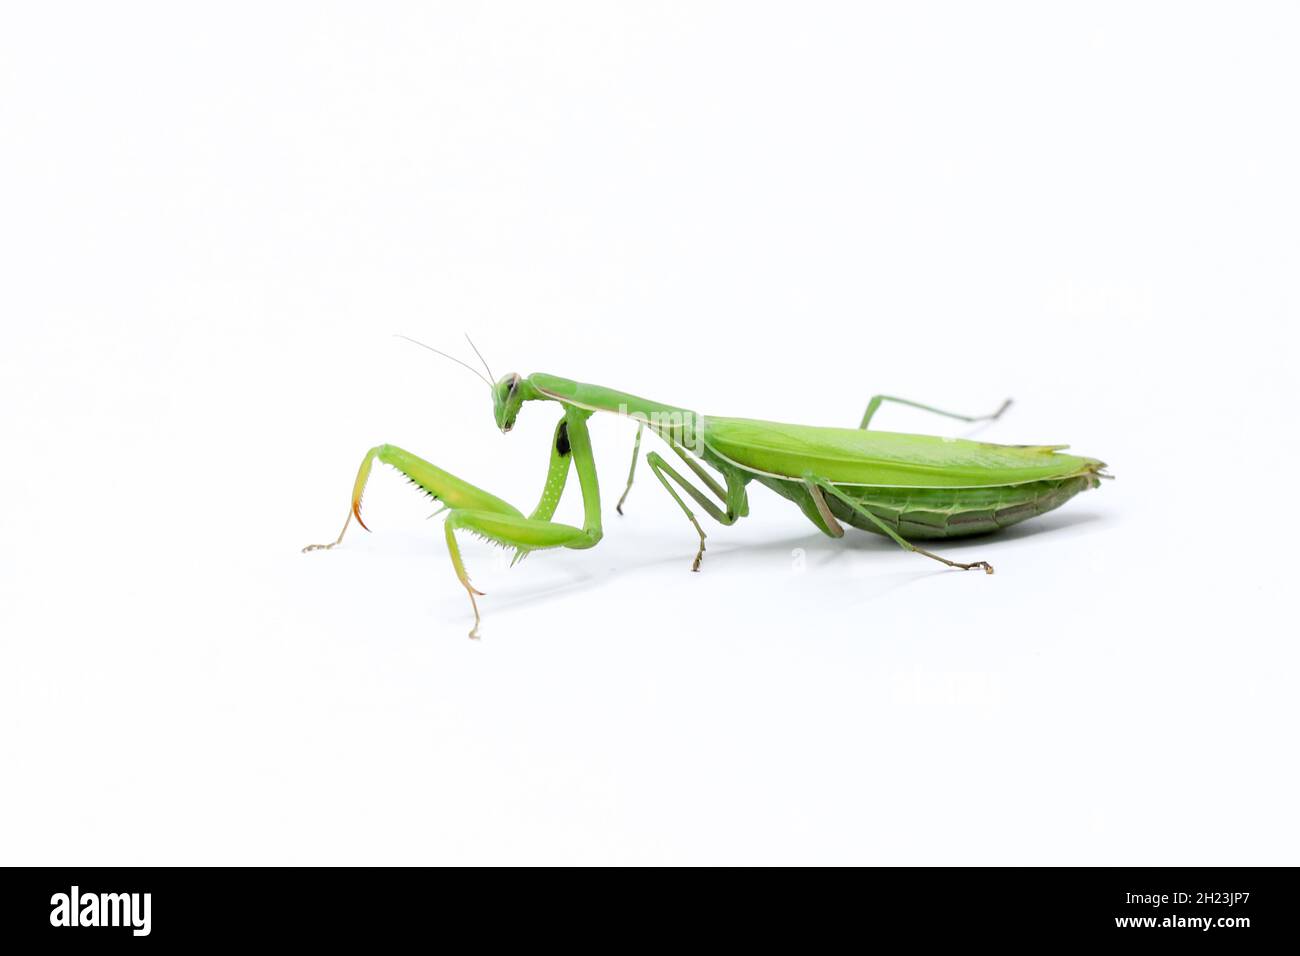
[906, 487]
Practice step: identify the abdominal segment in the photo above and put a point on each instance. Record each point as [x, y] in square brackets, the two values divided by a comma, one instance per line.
[956, 512]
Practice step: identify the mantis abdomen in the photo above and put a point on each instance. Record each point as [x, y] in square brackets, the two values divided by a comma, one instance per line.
[942, 512]
[954, 513]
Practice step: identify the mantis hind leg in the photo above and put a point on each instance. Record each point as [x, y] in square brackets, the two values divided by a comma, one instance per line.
[819, 487]
[878, 400]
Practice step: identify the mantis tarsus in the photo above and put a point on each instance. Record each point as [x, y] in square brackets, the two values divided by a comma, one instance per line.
[899, 485]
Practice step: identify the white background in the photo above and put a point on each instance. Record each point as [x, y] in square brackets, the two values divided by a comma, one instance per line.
[212, 219]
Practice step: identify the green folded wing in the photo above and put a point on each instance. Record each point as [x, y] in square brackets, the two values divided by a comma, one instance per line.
[887, 459]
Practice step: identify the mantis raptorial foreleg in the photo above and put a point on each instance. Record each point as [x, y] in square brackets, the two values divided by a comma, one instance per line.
[484, 514]
[817, 485]
[526, 534]
[876, 402]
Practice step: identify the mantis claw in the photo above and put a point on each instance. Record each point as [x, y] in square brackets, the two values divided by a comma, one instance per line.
[473, 631]
[336, 541]
[699, 556]
[982, 565]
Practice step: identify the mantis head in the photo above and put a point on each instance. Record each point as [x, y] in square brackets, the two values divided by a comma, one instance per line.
[508, 395]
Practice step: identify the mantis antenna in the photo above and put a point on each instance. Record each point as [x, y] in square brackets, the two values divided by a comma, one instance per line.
[446, 356]
[480, 356]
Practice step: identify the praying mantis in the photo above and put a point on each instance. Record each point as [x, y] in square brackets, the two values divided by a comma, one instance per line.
[904, 486]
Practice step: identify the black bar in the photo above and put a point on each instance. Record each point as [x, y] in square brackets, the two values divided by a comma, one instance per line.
[1226, 907]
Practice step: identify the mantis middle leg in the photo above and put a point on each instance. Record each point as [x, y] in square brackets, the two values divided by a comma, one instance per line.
[733, 497]
[475, 510]
[631, 472]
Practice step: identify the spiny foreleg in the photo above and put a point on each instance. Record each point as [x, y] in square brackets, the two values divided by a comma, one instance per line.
[482, 513]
